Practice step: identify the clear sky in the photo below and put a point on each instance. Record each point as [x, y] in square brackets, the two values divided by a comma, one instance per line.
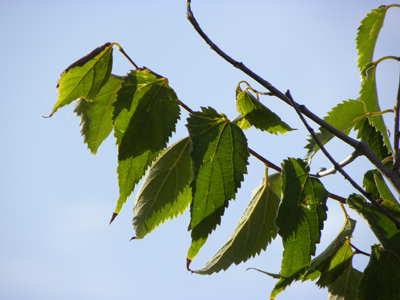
[56, 199]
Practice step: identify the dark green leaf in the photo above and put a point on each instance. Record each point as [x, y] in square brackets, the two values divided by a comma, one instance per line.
[146, 112]
[381, 277]
[254, 231]
[369, 95]
[373, 138]
[96, 115]
[165, 191]
[85, 77]
[369, 183]
[300, 219]
[345, 287]
[343, 117]
[367, 35]
[258, 115]
[383, 228]
[219, 158]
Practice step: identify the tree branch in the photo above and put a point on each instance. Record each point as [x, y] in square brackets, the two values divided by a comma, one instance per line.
[339, 168]
[391, 176]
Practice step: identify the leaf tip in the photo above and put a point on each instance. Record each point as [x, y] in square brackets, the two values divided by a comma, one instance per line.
[133, 238]
[114, 215]
[188, 262]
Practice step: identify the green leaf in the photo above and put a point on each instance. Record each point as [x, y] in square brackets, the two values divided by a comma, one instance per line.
[258, 115]
[369, 183]
[343, 117]
[383, 228]
[96, 115]
[165, 191]
[373, 138]
[254, 231]
[219, 158]
[323, 262]
[383, 189]
[85, 77]
[367, 35]
[300, 219]
[145, 115]
[369, 95]
[381, 276]
[345, 287]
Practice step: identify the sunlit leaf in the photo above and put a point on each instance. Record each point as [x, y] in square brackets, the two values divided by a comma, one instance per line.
[254, 231]
[383, 228]
[165, 191]
[219, 158]
[146, 112]
[367, 35]
[381, 276]
[96, 115]
[345, 287]
[300, 220]
[369, 95]
[326, 260]
[343, 117]
[85, 77]
[259, 116]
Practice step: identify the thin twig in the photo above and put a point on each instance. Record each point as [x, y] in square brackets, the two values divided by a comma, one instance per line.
[396, 152]
[342, 164]
[358, 251]
[392, 177]
[338, 167]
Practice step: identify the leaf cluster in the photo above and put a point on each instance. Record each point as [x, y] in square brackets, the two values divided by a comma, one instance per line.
[204, 170]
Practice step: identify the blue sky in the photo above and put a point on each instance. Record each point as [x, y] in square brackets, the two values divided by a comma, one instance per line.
[57, 198]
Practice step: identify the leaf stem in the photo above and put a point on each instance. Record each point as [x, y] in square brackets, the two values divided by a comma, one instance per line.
[126, 55]
[339, 168]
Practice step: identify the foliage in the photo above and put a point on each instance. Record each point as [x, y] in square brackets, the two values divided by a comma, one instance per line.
[205, 169]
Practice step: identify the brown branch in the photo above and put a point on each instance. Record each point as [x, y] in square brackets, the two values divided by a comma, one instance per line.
[339, 168]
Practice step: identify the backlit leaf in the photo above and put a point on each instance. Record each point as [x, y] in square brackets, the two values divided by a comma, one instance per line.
[96, 115]
[85, 77]
[259, 116]
[300, 220]
[254, 231]
[146, 112]
[343, 117]
[324, 261]
[369, 95]
[345, 287]
[381, 276]
[383, 228]
[219, 158]
[367, 35]
[165, 191]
